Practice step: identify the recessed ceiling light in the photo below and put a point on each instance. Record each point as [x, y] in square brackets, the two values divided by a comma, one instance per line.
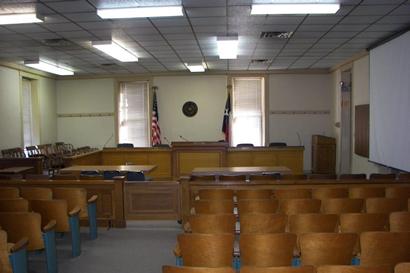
[160, 11]
[227, 47]
[302, 8]
[19, 18]
[115, 50]
[49, 67]
[195, 68]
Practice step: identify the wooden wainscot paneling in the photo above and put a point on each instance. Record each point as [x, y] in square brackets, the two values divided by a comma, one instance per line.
[188, 155]
[91, 158]
[152, 201]
[110, 202]
[160, 157]
[291, 157]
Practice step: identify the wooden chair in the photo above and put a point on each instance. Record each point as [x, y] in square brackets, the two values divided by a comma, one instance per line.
[206, 250]
[353, 176]
[320, 176]
[77, 197]
[402, 268]
[213, 206]
[14, 205]
[382, 176]
[263, 223]
[265, 250]
[66, 221]
[253, 194]
[342, 205]
[292, 193]
[327, 193]
[313, 222]
[327, 248]
[191, 269]
[366, 192]
[36, 193]
[28, 225]
[279, 269]
[215, 194]
[13, 257]
[385, 205]
[258, 206]
[399, 221]
[296, 206]
[398, 192]
[212, 223]
[9, 193]
[384, 248]
[352, 269]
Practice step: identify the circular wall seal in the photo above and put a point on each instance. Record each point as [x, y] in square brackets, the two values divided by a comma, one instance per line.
[189, 109]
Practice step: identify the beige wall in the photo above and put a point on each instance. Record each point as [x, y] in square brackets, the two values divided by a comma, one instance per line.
[10, 108]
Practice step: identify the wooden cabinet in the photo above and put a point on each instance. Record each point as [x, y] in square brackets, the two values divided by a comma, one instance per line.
[323, 154]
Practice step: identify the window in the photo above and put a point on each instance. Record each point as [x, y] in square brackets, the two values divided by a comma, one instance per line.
[133, 114]
[29, 117]
[247, 111]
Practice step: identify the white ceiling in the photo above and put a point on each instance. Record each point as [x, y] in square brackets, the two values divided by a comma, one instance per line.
[165, 44]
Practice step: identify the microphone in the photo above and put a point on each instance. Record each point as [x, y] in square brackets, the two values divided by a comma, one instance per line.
[166, 139]
[300, 139]
[181, 137]
[108, 140]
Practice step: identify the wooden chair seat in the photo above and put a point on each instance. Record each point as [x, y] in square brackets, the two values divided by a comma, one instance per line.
[398, 192]
[9, 193]
[352, 269]
[14, 205]
[385, 205]
[258, 206]
[191, 269]
[212, 223]
[400, 221]
[313, 222]
[263, 223]
[366, 192]
[36, 193]
[297, 206]
[342, 205]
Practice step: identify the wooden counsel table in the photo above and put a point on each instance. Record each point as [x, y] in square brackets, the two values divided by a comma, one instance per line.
[16, 170]
[101, 168]
[237, 171]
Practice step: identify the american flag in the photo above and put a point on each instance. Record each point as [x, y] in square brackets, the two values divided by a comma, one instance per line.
[155, 130]
[225, 122]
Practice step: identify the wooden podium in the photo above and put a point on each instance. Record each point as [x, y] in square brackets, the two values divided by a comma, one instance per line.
[323, 154]
[189, 155]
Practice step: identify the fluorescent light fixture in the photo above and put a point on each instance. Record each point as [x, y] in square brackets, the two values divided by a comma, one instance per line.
[49, 67]
[136, 12]
[303, 8]
[19, 18]
[227, 47]
[195, 68]
[115, 50]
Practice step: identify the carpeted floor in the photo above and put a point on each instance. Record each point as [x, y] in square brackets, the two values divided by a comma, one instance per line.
[143, 247]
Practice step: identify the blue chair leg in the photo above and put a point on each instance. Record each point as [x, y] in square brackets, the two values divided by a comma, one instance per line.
[355, 260]
[49, 238]
[179, 261]
[236, 263]
[92, 220]
[18, 261]
[75, 235]
[296, 261]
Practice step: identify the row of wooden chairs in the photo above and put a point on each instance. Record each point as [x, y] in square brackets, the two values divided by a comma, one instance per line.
[400, 268]
[13, 257]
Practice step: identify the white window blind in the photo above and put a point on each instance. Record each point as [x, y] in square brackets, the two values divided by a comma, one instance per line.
[133, 114]
[28, 126]
[247, 111]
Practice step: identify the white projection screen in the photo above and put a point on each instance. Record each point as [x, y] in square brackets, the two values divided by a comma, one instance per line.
[390, 103]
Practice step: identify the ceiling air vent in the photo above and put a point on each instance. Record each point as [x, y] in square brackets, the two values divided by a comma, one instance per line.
[59, 42]
[276, 34]
[260, 61]
[108, 64]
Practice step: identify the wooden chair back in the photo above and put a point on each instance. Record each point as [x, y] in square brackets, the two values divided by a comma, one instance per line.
[352, 269]
[9, 193]
[213, 206]
[258, 206]
[52, 210]
[402, 268]
[263, 223]
[191, 269]
[366, 192]
[361, 222]
[398, 192]
[36, 193]
[400, 221]
[382, 176]
[296, 206]
[5, 266]
[292, 193]
[342, 205]
[75, 197]
[206, 250]
[253, 194]
[326, 193]
[313, 222]
[215, 194]
[14, 205]
[385, 205]
[279, 269]
[353, 176]
[23, 224]
[384, 248]
[212, 223]
[327, 248]
[265, 250]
